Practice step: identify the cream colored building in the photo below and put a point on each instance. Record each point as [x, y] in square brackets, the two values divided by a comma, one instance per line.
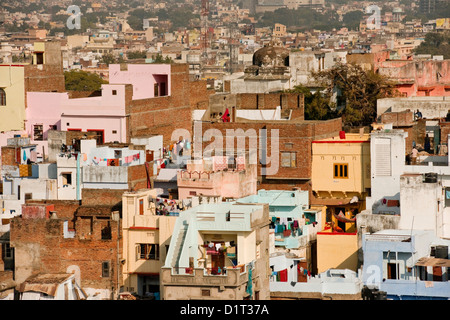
[12, 97]
[146, 237]
[337, 251]
[353, 151]
[340, 184]
[219, 251]
[279, 30]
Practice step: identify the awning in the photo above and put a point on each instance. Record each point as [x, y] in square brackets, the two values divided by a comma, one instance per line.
[330, 201]
[433, 262]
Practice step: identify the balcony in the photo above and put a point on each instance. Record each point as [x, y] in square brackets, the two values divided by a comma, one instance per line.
[231, 276]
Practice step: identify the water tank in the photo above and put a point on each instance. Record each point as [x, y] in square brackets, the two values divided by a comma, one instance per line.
[430, 177]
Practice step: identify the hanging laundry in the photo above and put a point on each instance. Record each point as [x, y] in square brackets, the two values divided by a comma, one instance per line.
[112, 162]
[283, 275]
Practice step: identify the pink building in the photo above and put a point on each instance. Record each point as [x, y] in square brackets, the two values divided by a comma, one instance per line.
[419, 78]
[225, 176]
[104, 114]
[43, 114]
[148, 80]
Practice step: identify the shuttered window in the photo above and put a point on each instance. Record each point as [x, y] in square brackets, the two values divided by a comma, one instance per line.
[340, 170]
[383, 157]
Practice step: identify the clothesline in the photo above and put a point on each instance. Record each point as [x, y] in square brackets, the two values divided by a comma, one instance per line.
[114, 161]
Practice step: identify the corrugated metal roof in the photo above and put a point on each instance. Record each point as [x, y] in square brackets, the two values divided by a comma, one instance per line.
[45, 283]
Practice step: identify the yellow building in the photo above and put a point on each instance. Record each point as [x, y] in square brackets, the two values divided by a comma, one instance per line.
[279, 30]
[44, 74]
[146, 238]
[337, 250]
[12, 97]
[340, 183]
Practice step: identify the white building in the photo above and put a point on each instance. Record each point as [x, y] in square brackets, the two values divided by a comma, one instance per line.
[419, 194]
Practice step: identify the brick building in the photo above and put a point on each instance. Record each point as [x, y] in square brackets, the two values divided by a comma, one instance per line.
[84, 238]
[161, 111]
[291, 166]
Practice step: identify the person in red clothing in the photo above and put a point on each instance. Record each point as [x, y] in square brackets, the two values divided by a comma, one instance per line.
[226, 116]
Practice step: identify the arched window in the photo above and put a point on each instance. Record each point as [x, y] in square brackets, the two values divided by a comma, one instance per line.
[2, 97]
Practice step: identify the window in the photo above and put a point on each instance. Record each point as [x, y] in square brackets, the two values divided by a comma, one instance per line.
[66, 178]
[147, 251]
[206, 293]
[2, 97]
[105, 269]
[340, 171]
[7, 251]
[447, 197]
[114, 92]
[288, 159]
[155, 88]
[38, 132]
[192, 193]
[39, 58]
[392, 271]
[141, 206]
[106, 231]
[232, 163]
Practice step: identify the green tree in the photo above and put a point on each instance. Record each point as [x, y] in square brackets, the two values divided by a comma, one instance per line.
[435, 44]
[109, 58]
[79, 80]
[136, 55]
[352, 19]
[158, 58]
[356, 91]
[317, 107]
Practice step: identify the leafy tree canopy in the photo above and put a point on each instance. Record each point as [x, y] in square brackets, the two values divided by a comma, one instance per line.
[435, 44]
[356, 91]
[79, 80]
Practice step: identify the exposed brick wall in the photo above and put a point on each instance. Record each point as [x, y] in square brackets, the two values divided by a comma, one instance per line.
[293, 137]
[269, 100]
[398, 118]
[65, 209]
[199, 98]
[9, 156]
[37, 211]
[102, 197]
[42, 239]
[137, 176]
[50, 78]
[162, 115]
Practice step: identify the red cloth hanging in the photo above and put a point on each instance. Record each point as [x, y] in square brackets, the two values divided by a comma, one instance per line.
[226, 116]
[283, 275]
